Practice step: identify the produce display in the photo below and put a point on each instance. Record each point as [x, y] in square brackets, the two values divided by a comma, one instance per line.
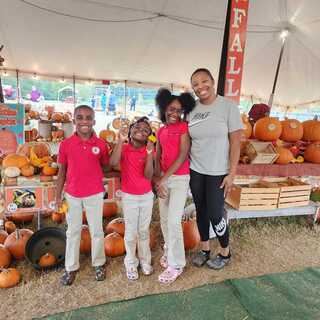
[293, 141]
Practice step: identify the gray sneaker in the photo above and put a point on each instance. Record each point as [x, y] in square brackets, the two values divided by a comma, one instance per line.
[200, 258]
[218, 262]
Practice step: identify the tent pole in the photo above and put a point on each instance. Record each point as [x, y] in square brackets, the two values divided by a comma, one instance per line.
[18, 86]
[1, 92]
[74, 90]
[224, 53]
[270, 102]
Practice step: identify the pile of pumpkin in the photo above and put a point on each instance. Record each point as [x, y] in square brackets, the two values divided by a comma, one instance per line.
[295, 142]
[12, 246]
[47, 115]
[29, 159]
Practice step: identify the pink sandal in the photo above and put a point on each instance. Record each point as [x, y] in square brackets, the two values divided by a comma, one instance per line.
[170, 275]
[164, 262]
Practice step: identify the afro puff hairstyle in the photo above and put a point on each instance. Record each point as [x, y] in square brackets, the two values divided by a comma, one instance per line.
[164, 98]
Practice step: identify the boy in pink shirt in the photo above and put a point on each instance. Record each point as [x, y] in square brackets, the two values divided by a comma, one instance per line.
[172, 168]
[136, 161]
[80, 159]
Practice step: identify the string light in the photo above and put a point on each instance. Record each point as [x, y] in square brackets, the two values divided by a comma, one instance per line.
[5, 73]
[62, 80]
[35, 76]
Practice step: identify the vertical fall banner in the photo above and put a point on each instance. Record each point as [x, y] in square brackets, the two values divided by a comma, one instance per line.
[231, 65]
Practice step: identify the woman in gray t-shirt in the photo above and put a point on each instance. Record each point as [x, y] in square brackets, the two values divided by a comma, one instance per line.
[215, 129]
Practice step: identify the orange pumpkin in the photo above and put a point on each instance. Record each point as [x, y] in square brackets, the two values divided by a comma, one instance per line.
[311, 130]
[110, 208]
[57, 117]
[41, 150]
[117, 123]
[116, 225]
[285, 155]
[5, 257]
[24, 149]
[107, 135]
[114, 245]
[85, 242]
[9, 277]
[15, 160]
[312, 152]
[247, 131]
[27, 171]
[8, 141]
[9, 226]
[3, 236]
[191, 236]
[57, 217]
[48, 170]
[292, 130]
[16, 242]
[34, 114]
[267, 129]
[47, 260]
[67, 117]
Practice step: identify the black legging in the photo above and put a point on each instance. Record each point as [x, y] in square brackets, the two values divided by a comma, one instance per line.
[209, 201]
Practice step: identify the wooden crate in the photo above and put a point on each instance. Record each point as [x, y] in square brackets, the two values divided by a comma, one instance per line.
[261, 152]
[293, 193]
[255, 196]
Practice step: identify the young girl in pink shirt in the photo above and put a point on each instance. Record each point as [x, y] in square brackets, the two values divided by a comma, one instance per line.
[172, 168]
[136, 161]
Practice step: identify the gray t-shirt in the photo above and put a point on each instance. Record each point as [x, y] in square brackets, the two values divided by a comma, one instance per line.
[209, 126]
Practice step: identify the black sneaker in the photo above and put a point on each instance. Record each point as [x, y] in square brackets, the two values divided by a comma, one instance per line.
[100, 273]
[200, 258]
[218, 262]
[68, 278]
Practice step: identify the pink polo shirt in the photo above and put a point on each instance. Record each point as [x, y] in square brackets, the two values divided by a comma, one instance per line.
[169, 138]
[132, 165]
[84, 159]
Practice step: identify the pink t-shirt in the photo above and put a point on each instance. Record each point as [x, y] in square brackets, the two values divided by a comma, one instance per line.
[169, 137]
[84, 159]
[132, 165]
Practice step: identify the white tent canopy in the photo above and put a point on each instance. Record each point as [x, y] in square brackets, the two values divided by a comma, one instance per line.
[163, 41]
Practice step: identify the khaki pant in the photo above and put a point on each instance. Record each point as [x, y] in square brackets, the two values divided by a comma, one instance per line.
[137, 212]
[171, 211]
[93, 206]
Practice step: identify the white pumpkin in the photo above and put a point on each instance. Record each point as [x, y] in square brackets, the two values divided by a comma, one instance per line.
[12, 172]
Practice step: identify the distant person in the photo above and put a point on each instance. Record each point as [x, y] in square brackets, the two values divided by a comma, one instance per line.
[35, 94]
[133, 102]
[93, 102]
[112, 103]
[104, 101]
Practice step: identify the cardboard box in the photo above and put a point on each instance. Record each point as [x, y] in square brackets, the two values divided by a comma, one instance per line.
[261, 152]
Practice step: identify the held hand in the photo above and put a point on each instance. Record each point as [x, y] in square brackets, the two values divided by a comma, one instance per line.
[58, 204]
[162, 192]
[227, 184]
[123, 134]
[150, 147]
